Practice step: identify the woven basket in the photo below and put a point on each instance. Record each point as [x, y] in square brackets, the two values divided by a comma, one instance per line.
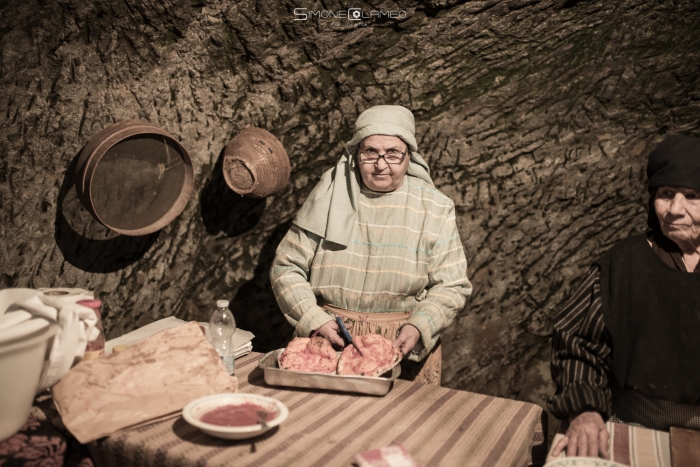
[256, 164]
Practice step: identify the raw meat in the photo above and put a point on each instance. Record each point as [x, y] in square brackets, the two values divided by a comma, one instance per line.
[379, 356]
[313, 354]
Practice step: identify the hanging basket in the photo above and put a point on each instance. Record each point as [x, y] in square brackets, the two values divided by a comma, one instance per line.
[134, 177]
[256, 164]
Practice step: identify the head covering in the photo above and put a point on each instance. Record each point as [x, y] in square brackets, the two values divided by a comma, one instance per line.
[675, 162]
[331, 208]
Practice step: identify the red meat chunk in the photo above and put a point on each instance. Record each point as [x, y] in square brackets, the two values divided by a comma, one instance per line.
[313, 354]
[379, 356]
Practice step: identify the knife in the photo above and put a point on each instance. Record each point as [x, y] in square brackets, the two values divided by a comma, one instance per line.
[346, 335]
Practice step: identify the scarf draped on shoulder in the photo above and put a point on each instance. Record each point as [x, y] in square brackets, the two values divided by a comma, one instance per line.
[330, 210]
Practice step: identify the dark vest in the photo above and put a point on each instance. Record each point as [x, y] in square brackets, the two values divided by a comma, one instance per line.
[652, 312]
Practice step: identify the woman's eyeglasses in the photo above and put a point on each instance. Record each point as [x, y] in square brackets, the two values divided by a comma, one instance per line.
[392, 156]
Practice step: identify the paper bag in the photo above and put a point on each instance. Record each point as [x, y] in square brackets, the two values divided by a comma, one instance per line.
[142, 383]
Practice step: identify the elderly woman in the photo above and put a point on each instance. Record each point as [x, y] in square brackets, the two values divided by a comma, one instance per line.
[376, 244]
[626, 345]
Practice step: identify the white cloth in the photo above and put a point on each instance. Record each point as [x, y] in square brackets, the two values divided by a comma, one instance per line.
[76, 327]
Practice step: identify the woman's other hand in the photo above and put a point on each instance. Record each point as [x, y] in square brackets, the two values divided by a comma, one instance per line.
[330, 331]
[408, 338]
[586, 437]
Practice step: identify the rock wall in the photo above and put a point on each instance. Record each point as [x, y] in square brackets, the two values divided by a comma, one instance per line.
[536, 117]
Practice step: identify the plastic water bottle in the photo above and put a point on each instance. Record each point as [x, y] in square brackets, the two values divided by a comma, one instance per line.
[221, 329]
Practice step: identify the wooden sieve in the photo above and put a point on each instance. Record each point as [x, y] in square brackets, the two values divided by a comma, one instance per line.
[134, 177]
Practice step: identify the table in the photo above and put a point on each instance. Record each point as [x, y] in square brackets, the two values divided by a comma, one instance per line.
[437, 426]
[635, 446]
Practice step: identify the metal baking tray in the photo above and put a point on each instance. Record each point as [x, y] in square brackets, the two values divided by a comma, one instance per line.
[372, 385]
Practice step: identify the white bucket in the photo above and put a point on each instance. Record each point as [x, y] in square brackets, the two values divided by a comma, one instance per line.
[21, 365]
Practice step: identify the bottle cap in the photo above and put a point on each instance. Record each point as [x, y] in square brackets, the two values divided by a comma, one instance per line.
[222, 303]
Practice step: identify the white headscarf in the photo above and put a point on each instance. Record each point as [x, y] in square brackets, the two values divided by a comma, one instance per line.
[331, 208]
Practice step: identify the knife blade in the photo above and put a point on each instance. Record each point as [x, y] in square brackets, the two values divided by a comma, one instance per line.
[346, 335]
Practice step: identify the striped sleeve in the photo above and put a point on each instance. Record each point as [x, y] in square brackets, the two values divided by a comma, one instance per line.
[289, 277]
[581, 352]
[447, 289]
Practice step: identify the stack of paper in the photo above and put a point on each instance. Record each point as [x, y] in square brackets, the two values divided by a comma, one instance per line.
[241, 339]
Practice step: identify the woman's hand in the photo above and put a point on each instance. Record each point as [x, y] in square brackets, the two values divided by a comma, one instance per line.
[330, 331]
[586, 437]
[408, 338]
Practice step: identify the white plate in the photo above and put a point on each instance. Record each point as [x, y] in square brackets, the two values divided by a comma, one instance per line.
[195, 409]
[582, 462]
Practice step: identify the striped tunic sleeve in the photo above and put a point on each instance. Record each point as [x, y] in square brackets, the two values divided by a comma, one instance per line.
[289, 277]
[581, 352]
[447, 289]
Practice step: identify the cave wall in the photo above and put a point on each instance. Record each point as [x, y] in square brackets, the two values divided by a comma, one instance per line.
[536, 117]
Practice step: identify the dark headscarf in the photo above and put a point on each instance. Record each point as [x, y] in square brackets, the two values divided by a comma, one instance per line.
[675, 162]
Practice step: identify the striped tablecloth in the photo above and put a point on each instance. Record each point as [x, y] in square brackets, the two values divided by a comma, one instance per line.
[437, 426]
[634, 446]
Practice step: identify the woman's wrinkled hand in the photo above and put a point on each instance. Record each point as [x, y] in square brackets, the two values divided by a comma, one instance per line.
[408, 338]
[586, 437]
[330, 331]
